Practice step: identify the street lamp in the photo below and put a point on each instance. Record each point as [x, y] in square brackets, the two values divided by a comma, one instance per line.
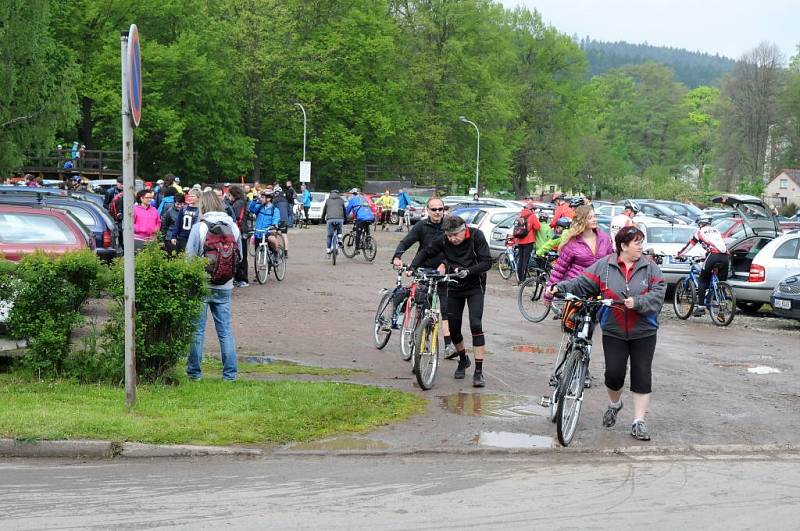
[304, 128]
[478, 152]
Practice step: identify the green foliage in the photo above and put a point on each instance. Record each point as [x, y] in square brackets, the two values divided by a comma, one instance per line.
[169, 296]
[789, 210]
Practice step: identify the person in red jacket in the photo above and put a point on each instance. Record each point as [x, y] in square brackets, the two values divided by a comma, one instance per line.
[525, 243]
[563, 209]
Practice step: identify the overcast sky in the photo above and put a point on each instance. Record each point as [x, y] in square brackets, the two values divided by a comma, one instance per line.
[729, 27]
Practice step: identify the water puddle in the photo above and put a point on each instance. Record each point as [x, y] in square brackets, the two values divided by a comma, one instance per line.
[763, 369]
[535, 349]
[341, 444]
[734, 365]
[489, 405]
[506, 439]
[264, 360]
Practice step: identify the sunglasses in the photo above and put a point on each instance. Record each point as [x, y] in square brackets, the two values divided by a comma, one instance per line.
[436, 209]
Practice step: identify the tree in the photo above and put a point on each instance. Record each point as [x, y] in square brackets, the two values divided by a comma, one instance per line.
[701, 127]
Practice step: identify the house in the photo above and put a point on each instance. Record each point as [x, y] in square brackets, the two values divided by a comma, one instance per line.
[783, 189]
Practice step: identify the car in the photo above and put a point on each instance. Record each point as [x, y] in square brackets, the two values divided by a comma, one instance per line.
[486, 219]
[772, 262]
[465, 213]
[608, 210]
[93, 216]
[665, 238]
[684, 209]
[787, 224]
[26, 229]
[785, 298]
[731, 229]
[317, 204]
[499, 234]
[453, 200]
[756, 214]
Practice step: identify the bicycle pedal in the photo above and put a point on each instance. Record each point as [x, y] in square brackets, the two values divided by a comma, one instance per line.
[553, 382]
[545, 401]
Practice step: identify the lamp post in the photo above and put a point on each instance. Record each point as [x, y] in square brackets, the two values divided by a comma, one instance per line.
[304, 128]
[478, 152]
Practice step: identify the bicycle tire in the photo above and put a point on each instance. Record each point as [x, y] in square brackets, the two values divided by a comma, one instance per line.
[279, 268]
[349, 245]
[504, 266]
[569, 405]
[426, 353]
[407, 339]
[334, 252]
[723, 310]
[683, 298]
[565, 346]
[530, 298]
[262, 269]
[370, 248]
[383, 321]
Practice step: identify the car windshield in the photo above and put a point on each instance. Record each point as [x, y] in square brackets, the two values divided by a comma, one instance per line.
[497, 218]
[33, 228]
[672, 234]
[317, 196]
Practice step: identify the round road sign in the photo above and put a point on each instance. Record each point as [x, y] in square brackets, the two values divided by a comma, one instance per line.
[134, 75]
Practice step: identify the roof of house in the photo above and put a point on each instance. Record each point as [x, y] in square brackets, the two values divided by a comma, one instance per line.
[793, 174]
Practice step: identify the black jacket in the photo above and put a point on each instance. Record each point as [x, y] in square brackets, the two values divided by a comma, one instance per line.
[423, 233]
[471, 255]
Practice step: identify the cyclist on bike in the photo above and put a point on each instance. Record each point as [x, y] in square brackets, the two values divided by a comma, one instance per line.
[334, 213]
[624, 219]
[424, 233]
[716, 256]
[267, 217]
[462, 249]
[359, 208]
[629, 329]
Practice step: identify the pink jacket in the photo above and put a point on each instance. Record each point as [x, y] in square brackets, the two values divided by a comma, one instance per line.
[576, 256]
[146, 222]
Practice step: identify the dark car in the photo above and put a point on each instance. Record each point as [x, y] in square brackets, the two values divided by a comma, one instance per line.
[785, 299]
[92, 215]
[25, 229]
[684, 209]
[650, 207]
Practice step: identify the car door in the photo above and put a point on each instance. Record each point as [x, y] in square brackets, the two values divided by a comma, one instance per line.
[787, 258]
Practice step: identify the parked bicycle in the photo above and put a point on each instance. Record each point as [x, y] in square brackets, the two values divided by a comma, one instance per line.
[270, 260]
[568, 378]
[507, 262]
[358, 241]
[719, 298]
[531, 295]
[390, 309]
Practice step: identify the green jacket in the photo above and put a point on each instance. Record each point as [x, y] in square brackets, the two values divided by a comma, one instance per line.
[549, 245]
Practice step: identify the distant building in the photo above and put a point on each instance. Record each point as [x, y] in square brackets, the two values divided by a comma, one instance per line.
[783, 189]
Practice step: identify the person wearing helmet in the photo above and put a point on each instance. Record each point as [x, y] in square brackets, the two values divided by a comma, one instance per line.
[267, 217]
[577, 201]
[333, 213]
[359, 208]
[712, 241]
[563, 210]
[624, 219]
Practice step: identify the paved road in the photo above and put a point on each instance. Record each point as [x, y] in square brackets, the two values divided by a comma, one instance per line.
[545, 492]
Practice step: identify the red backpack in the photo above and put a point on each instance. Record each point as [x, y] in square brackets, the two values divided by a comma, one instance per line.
[520, 229]
[222, 252]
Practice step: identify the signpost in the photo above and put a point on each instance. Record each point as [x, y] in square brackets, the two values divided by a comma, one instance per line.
[131, 114]
[305, 171]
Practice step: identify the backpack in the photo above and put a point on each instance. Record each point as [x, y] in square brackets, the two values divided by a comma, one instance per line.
[115, 208]
[520, 229]
[222, 252]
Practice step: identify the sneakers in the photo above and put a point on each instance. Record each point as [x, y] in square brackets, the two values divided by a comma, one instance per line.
[450, 352]
[610, 416]
[461, 370]
[477, 379]
[328, 251]
[699, 311]
[639, 431]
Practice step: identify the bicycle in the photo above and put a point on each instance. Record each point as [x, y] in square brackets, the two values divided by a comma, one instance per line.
[530, 298]
[507, 262]
[572, 363]
[337, 244]
[355, 241]
[388, 312]
[300, 222]
[719, 298]
[426, 338]
[268, 260]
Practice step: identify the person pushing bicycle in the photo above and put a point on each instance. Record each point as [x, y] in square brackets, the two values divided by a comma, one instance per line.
[716, 257]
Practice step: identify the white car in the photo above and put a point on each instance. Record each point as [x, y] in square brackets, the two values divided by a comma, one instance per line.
[488, 218]
[317, 204]
[776, 260]
[667, 239]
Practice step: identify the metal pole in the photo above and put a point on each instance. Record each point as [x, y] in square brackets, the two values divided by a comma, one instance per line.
[304, 129]
[127, 231]
[478, 152]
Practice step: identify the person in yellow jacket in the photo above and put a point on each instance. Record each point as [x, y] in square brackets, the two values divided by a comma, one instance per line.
[385, 202]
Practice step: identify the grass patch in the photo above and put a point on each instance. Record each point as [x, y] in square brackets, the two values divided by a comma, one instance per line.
[213, 365]
[210, 412]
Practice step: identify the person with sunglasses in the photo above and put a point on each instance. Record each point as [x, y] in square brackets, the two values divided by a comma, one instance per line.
[630, 328]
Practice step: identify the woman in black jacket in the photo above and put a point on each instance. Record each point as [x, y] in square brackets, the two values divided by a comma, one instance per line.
[462, 249]
[242, 219]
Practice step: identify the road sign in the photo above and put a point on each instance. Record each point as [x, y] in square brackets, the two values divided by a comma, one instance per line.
[134, 75]
[305, 171]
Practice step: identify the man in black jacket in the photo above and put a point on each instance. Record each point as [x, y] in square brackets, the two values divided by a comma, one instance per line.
[424, 233]
[462, 249]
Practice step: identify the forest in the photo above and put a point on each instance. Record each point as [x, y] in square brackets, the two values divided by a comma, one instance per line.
[384, 83]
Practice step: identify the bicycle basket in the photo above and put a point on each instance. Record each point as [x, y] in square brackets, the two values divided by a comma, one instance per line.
[569, 315]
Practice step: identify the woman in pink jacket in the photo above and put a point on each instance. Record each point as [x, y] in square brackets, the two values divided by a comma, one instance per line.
[583, 246]
[146, 220]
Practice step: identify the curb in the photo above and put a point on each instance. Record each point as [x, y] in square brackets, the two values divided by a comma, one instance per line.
[77, 448]
[140, 450]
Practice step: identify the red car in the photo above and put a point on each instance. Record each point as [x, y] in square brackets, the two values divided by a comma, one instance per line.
[25, 229]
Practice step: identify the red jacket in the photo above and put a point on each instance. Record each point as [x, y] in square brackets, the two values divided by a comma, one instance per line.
[562, 211]
[532, 221]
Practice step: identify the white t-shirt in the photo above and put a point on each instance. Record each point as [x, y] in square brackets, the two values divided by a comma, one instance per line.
[618, 222]
[711, 239]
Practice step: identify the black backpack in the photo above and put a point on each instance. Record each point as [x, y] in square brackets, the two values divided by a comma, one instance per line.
[520, 229]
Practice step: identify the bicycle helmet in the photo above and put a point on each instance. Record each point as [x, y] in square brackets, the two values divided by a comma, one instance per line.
[267, 193]
[704, 220]
[575, 202]
[633, 206]
[564, 223]
[334, 191]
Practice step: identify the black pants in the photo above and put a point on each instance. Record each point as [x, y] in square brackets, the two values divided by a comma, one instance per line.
[362, 230]
[640, 352]
[720, 261]
[241, 268]
[305, 211]
[456, 300]
[524, 251]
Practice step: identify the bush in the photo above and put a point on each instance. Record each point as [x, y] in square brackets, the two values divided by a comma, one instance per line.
[789, 210]
[169, 297]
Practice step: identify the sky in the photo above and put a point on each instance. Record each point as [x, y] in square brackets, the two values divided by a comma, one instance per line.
[729, 28]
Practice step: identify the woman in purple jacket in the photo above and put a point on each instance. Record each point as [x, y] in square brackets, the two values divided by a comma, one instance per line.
[582, 247]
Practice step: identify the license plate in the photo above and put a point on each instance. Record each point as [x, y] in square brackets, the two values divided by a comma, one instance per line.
[673, 260]
[783, 304]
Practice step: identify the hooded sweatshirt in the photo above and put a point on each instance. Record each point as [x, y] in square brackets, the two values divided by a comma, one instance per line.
[334, 208]
[197, 238]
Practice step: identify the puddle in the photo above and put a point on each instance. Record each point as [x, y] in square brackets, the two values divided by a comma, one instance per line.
[734, 365]
[264, 360]
[506, 439]
[535, 349]
[342, 443]
[489, 405]
[763, 369]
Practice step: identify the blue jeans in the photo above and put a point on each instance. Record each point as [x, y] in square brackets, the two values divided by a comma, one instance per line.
[334, 227]
[220, 302]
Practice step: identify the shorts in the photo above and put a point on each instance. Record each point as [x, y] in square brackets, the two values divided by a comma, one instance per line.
[283, 228]
[400, 213]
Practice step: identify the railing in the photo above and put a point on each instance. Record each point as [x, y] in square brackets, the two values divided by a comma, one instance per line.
[93, 162]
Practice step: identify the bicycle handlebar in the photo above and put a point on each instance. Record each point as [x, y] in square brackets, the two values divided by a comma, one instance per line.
[436, 276]
[590, 301]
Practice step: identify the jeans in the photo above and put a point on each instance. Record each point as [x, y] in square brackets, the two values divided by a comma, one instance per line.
[220, 302]
[334, 227]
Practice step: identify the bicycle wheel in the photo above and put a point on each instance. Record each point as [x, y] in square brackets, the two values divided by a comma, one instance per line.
[383, 321]
[683, 298]
[530, 298]
[723, 304]
[370, 248]
[569, 405]
[349, 245]
[426, 353]
[504, 266]
[557, 375]
[279, 264]
[407, 332]
[334, 252]
[261, 264]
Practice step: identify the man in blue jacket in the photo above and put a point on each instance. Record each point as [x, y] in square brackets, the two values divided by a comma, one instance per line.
[267, 215]
[358, 207]
[402, 203]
